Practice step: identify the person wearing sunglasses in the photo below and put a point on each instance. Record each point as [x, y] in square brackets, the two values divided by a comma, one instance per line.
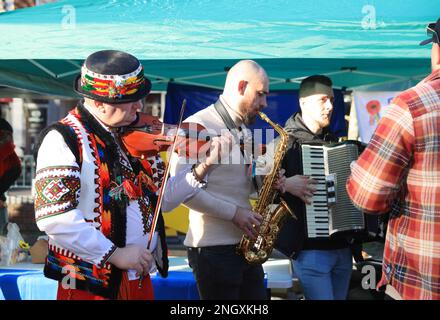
[433, 31]
[399, 173]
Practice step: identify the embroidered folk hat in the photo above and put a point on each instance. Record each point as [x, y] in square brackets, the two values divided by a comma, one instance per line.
[112, 76]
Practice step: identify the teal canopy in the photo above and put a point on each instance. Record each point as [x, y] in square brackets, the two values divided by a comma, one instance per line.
[359, 44]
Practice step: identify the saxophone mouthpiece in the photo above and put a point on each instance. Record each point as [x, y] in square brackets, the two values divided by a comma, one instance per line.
[262, 115]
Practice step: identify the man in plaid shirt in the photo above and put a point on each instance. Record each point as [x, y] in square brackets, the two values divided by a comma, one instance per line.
[399, 173]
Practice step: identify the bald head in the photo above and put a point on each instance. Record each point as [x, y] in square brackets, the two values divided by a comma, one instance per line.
[246, 88]
[246, 70]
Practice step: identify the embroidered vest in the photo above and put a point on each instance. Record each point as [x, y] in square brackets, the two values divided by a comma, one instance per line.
[103, 202]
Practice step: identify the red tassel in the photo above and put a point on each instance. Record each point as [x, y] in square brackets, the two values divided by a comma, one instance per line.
[144, 179]
[147, 166]
[131, 190]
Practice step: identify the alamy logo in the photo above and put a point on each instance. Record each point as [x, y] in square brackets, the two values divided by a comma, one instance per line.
[369, 20]
[369, 280]
[69, 280]
[69, 17]
[245, 147]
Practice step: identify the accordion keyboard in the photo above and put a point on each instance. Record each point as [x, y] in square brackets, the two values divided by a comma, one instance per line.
[331, 210]
[317, 218]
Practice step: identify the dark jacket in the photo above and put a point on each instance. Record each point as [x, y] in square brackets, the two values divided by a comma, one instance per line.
[10, 166]
[292, 237]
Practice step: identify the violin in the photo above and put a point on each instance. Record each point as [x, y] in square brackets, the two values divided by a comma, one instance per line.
[147, 136]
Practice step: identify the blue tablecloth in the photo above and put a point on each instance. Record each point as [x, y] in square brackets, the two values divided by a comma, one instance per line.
[179, 285]
[16, 284]
[29, 283]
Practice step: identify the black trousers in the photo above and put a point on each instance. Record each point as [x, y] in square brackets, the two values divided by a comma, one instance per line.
[223, 274]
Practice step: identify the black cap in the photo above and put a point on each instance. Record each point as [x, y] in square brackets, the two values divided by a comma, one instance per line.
[433, 30]
[4, 125]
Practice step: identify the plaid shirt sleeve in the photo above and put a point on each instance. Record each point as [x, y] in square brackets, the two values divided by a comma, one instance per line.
[378, 174]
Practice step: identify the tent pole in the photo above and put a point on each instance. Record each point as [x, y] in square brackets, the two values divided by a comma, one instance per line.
[73, 63]
[66, 74]
[367, 86]
[376, 74]
[299, 79]
[201, 76]
[199, 84]
[43, 68]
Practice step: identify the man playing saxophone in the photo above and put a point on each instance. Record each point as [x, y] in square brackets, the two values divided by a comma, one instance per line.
[220, 212]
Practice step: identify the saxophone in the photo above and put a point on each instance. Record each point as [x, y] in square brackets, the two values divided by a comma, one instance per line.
[258, 250]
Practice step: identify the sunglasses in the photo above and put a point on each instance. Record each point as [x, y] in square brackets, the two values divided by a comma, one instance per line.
[430, 31]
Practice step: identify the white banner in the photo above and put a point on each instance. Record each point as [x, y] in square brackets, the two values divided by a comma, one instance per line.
[370, 107]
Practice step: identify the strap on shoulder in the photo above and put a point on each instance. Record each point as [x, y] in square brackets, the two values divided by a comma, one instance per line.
[221, 110]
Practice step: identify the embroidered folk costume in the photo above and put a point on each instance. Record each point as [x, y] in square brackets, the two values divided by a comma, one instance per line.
[91, 197]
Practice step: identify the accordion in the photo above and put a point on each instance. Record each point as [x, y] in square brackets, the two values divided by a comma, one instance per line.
[331, 212]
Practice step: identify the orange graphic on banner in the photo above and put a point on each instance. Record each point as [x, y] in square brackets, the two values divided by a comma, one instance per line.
[373, 108]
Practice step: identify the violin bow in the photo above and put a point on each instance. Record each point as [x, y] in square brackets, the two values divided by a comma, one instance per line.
[164, 182]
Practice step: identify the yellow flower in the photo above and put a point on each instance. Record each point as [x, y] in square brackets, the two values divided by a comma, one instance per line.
[24, 245]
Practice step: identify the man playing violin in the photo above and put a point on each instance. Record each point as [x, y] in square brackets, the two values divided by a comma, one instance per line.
[93, 200]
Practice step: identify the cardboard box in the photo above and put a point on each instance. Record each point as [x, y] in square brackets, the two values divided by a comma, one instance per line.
[39, 251]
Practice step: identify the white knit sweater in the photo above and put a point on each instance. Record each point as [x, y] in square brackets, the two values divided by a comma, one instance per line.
[229, 186]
